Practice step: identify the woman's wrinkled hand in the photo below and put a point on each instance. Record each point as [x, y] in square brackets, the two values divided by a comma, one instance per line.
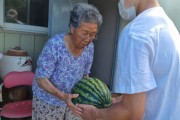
[68, 100]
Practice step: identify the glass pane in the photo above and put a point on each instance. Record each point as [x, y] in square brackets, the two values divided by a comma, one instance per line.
[28, 12]
[15, 11]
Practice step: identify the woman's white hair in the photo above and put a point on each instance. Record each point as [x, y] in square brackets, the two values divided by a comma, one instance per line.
[84, 12]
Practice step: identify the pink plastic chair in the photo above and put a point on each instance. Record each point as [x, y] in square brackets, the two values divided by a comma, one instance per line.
[19, 109]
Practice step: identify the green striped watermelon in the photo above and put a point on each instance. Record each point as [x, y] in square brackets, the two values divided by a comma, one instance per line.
[92, 91]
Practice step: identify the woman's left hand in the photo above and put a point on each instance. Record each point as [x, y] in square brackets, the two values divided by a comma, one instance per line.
[68, 100]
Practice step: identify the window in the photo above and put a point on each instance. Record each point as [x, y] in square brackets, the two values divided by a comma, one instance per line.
[24, 15]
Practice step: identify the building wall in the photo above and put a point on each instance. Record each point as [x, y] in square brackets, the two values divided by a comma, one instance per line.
[172, 9]
[105, 45]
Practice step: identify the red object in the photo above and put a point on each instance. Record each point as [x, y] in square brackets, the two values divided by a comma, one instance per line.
[22, 108]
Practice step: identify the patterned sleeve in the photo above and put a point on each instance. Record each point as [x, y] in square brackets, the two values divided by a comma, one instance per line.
[89, 59]
[47, 59]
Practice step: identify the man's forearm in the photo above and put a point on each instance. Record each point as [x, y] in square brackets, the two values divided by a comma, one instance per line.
[132, 107]
[115, 112]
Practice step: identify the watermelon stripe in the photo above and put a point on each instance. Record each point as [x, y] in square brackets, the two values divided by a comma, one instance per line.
[87, 90]
[92, 91]
[107, 94]
[83, 100]
[86, 94]
[105, 89]
[103, 86]
[96, 85]
[90, 84]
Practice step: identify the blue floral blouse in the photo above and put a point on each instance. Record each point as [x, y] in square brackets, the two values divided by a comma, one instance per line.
[62, 68]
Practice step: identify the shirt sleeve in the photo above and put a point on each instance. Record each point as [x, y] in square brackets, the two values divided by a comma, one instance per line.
[47, 60]
[89, 59]
[133, 72]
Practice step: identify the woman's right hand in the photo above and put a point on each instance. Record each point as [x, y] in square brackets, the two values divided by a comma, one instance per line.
[68, 100]
[45, 84]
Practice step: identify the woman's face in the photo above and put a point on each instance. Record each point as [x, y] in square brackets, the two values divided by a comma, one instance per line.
[84, 34]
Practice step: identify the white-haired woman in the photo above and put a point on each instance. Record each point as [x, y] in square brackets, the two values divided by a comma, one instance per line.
[64, 60]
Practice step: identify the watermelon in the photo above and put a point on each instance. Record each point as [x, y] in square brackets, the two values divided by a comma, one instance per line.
[92, 91]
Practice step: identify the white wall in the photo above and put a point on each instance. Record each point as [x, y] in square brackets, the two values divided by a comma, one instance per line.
[172, 8]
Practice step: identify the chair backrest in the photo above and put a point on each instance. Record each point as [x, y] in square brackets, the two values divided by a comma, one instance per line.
[13, 79]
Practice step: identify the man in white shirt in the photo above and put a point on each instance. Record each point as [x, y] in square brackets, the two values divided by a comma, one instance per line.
[147, 67]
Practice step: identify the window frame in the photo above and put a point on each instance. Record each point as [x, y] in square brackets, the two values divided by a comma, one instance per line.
[19, 27]
[1, 12]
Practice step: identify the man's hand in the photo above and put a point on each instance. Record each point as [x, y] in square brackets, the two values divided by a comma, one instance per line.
[117, 99]
[89, 112]
[122, 109]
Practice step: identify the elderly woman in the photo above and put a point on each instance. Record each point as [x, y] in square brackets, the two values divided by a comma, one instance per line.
[64, 60]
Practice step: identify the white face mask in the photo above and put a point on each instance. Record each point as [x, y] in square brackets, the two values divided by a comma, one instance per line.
[126, 13]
